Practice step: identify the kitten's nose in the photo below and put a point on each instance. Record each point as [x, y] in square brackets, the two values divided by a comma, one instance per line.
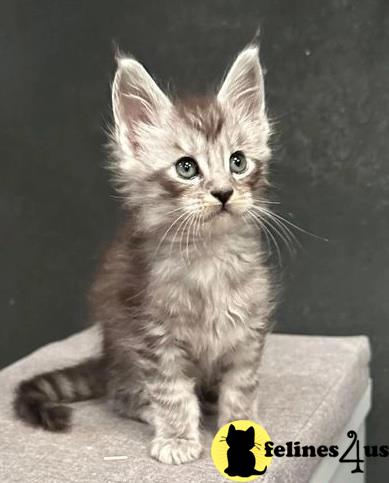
[223, 196]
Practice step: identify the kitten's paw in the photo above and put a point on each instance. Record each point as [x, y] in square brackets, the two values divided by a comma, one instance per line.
[175, 451]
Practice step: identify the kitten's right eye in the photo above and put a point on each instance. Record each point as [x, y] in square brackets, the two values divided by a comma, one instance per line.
[187, 168]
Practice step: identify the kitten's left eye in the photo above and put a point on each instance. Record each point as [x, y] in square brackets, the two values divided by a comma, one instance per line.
[187, 168]
[238, 163]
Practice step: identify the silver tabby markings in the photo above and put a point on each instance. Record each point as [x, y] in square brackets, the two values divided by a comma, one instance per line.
[183, 295]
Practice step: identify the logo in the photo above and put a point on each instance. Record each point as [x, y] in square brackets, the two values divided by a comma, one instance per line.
[353, 453]
[238, 450]
[243, 451]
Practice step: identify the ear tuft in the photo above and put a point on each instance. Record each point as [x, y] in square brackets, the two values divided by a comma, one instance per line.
[243, 87]
[136, 98]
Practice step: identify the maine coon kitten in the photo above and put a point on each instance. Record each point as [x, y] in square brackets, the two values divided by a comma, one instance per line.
[183, 296]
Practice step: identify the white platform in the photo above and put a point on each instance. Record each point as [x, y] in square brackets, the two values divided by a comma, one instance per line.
[330, 469]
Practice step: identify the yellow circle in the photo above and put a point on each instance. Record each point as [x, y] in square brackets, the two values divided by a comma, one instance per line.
[238, 450]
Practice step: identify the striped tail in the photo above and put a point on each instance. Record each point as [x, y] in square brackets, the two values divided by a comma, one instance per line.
[38, 400]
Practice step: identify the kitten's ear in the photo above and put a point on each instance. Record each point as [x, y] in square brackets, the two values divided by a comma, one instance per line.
[231, 430]
[243, 86]
[136, 98]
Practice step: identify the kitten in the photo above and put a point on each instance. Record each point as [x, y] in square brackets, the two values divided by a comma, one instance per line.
[183, 295]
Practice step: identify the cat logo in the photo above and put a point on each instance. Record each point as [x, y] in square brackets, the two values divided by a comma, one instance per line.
[238, 451]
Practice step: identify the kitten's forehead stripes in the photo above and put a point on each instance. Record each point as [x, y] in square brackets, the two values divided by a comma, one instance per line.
[202, 114]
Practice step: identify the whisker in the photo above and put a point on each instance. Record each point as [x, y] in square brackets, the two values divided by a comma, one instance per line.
[191, 222]
[167, 232]
[298, 227]
[260, 223]
[279, 231]
[187, 221]
[283, 231]
[201, 224]
[267, 239]
[180, 208]
[176, 233]
[186, 208]
[196, 230]
[267, 229]
[198, 226]
[243, 199]
[266, 202]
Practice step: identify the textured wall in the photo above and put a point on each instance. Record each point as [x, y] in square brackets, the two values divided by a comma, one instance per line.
[327, 85]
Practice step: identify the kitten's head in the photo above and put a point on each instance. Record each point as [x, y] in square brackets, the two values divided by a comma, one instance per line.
[241, 439]
[196, 164]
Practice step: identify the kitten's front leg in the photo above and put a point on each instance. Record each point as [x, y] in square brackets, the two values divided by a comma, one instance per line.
[239, 384]
[175, 409]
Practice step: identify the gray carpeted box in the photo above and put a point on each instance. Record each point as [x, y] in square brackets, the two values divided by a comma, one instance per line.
[312, 388]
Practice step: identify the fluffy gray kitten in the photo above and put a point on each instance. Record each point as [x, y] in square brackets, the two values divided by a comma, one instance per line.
[183, 295]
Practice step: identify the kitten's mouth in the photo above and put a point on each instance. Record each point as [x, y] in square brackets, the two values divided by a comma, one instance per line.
[224, 212]
[221, 213]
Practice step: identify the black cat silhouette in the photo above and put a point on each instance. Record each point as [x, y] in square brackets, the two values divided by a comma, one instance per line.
[241, 460]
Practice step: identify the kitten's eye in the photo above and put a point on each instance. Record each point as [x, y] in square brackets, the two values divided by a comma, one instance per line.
[187, 168]
[238, 163]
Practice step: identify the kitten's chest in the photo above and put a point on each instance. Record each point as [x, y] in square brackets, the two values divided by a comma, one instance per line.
[210, 301]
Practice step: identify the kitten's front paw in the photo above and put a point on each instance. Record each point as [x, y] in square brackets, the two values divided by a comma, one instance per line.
[175, 451]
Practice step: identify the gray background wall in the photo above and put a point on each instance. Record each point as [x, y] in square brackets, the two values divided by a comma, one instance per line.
[327, 87]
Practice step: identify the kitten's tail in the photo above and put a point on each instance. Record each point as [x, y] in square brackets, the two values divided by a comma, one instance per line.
[38, 400]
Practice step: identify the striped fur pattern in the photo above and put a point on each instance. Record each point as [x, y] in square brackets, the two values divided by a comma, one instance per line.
[183, 294]
[39, 400]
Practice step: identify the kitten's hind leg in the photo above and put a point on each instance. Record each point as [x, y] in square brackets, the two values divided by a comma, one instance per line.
[133, 405]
